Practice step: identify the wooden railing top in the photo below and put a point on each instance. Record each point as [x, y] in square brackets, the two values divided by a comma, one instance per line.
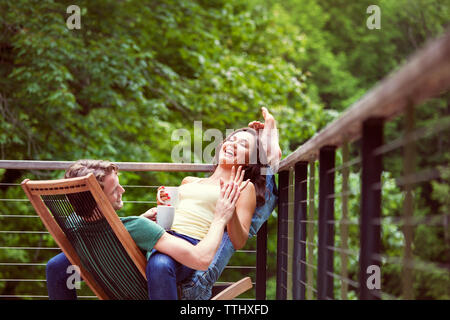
[426, 74]
[123, 166]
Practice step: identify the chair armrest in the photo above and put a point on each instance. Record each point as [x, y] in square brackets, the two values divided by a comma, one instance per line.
[235, 289]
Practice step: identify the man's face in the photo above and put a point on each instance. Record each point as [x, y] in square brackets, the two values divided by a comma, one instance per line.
[113, 190]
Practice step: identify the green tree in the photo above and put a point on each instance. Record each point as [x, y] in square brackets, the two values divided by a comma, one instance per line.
[117, 88]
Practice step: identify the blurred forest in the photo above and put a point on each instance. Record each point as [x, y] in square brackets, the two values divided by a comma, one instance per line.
[137, 71]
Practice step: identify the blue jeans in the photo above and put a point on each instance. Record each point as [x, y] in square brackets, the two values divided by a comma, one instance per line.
[159, 266]
[163, 273]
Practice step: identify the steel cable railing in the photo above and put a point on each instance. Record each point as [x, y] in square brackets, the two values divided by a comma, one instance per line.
[35, 252]
[362, 229]
[407, 262]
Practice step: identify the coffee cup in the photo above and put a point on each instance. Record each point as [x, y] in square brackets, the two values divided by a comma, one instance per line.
[164, 216]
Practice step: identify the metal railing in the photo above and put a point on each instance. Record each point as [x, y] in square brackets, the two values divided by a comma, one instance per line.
[307, 266]
[35, 247]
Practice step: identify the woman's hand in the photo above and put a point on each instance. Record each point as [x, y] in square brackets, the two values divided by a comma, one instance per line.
[225, 206]
[229, 194]
[237, 178]
[268, 134]
[161, 196]
[150, 214]
[269, 121]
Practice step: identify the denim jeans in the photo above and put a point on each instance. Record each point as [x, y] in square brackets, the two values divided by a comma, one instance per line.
[163, 273]
[199, 286]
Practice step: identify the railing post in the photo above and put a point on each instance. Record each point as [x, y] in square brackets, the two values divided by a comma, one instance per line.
[310, 229]
[300, 218]
[327, 157]
[409, 155]
[261, 263]
[290, 236]
[344, 220]
[370, 230]
[282, 248]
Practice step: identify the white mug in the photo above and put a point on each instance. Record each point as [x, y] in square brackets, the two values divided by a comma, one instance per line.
[164, 216]
[173, 194]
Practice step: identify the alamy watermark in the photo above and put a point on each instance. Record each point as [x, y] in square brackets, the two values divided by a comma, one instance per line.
[74, 20]
[374, 20]
[74, 279]
[373, 281]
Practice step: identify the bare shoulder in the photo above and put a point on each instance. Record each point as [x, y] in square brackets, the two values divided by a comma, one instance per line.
[188, 180]
[249, 188]
[249, 192]
[247, 200]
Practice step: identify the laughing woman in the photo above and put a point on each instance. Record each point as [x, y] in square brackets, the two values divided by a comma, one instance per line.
[197, 199]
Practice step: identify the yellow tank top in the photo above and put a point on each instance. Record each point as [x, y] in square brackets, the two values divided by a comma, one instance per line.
[195, 210]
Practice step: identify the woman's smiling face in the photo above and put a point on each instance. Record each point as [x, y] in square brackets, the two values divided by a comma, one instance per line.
[237, 149]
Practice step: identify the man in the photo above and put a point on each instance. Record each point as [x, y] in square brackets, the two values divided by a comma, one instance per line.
[146, 233]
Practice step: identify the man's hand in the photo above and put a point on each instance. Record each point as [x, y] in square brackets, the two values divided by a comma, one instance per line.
[150, 214]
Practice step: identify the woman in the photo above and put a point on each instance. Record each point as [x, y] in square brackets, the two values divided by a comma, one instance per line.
[197, 198]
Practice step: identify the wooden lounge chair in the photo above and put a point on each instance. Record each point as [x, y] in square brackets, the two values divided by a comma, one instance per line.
[85, 226]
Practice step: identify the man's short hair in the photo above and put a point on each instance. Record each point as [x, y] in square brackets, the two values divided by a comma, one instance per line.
[100, 169]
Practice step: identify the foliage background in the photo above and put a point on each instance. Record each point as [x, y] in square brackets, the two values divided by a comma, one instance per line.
[138, 70]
